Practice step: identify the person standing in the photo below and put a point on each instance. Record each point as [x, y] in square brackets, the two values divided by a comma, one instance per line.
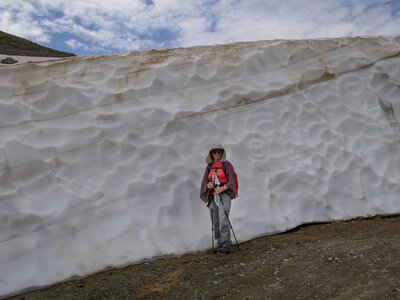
[218, 188]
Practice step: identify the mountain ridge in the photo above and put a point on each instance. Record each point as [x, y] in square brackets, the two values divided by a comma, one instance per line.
[15, 45]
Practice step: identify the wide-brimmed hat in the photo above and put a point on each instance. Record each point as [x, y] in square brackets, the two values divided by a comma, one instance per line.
[209, 158]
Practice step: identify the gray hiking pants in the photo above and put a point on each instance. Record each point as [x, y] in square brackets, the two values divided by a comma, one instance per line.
[222, 230]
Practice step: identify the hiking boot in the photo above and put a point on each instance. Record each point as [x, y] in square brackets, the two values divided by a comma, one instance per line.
[219, 246]
[224, 250]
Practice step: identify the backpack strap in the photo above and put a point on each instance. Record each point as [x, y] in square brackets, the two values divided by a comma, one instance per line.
[224, 168]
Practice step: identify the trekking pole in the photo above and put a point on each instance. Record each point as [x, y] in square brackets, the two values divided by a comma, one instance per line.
[230, 224]
[212, 226]
[212, 222]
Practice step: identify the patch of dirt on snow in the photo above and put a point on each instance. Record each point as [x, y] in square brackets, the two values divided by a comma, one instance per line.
[357, 259]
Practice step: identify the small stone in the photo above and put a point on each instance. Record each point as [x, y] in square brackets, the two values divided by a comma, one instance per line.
[8, 61]
[242, 264]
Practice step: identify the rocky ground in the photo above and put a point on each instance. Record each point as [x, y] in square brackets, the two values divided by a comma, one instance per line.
[357, 259]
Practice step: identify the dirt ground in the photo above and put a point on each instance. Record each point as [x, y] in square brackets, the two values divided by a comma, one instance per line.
[357, 259]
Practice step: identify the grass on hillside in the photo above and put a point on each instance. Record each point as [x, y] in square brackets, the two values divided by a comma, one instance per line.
[14, 45]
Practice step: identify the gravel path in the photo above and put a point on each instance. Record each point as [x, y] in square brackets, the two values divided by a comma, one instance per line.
[357, 259]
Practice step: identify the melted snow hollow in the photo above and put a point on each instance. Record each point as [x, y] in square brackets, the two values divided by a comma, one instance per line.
[102, 157]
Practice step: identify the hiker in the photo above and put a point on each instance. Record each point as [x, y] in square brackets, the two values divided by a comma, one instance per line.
[219, 184]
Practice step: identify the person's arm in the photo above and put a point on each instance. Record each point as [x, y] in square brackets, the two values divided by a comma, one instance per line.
[231, 186]
[204, 190]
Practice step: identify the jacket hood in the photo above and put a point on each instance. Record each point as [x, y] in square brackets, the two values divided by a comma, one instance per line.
[209, 158]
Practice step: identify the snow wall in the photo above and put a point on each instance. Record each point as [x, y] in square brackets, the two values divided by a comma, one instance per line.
[101, 157]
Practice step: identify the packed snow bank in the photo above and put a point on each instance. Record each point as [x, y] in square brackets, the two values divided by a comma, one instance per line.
[101, 157]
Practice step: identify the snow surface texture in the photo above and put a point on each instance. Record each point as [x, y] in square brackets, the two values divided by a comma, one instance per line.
[102, 157]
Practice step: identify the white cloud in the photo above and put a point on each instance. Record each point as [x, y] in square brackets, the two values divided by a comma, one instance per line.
[16, 18]
[122, 25]
[254, 20]
[74, 44]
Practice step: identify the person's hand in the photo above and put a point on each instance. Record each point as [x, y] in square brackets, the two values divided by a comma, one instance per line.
[221, 189]
[210, 185]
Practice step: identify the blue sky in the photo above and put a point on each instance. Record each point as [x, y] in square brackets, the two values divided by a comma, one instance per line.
[92, 27]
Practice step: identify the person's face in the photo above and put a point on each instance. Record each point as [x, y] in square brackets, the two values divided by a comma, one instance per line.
[217, 154]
